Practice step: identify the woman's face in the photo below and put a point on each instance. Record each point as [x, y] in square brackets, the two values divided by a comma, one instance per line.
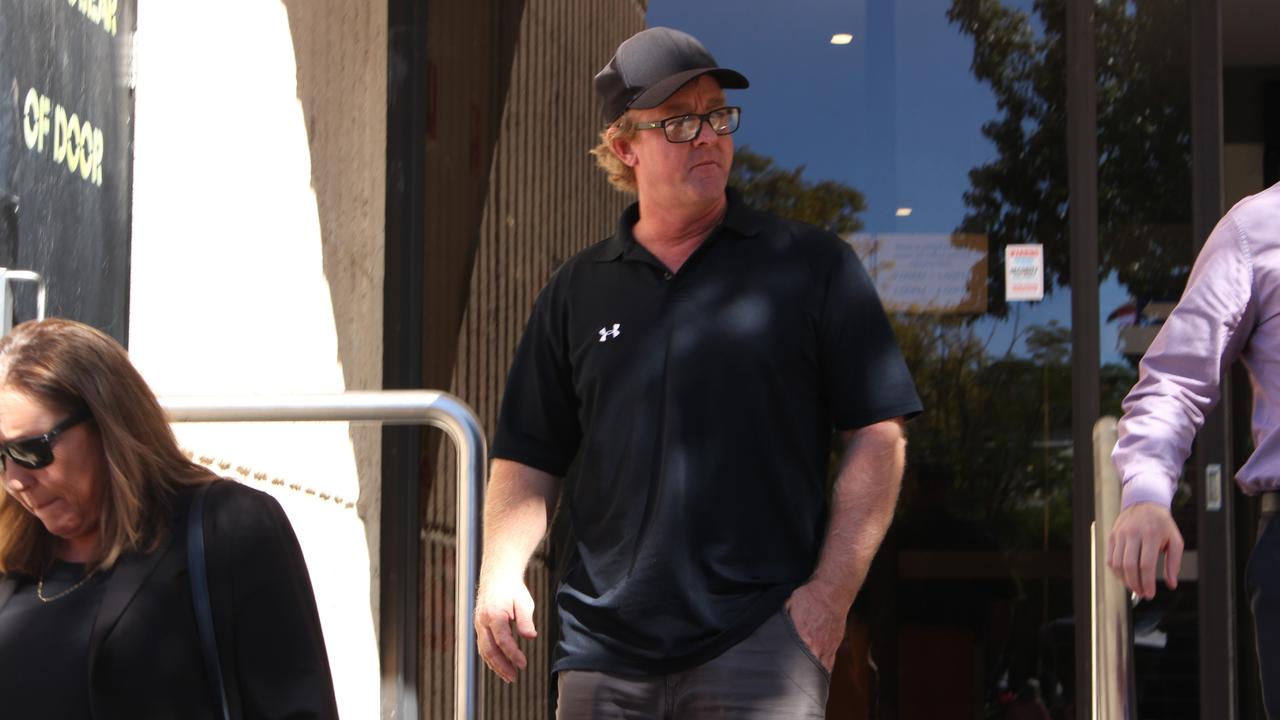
[64, 495]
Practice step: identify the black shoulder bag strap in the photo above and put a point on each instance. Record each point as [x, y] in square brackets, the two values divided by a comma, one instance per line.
[199, 574]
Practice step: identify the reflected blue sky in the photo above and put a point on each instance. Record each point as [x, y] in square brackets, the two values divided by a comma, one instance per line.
[896, 114]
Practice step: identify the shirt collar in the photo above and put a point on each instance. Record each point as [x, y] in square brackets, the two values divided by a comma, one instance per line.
[739, 218]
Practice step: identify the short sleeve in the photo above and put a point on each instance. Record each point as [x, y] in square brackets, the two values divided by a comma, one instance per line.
[862, 365]
[538, 423]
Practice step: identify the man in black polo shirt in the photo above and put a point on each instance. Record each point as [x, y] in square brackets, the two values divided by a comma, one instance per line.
[685, 377]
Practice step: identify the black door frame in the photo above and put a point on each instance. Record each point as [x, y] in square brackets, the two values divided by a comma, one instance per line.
[400, 556]
[1213, 469]
[1086, 392]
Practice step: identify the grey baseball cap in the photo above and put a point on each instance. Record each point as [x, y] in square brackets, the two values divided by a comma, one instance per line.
[651, 66]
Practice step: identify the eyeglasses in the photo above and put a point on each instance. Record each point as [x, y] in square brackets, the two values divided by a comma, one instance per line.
[684, 128]
[37, 452]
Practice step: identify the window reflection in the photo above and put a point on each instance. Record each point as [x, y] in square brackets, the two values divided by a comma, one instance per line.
[932, 142]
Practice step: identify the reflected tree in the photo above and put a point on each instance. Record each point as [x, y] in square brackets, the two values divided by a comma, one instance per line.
[1021, 196]
[994, 444]
[993, 447]
[765, 186]
[990, 461]
[1144, 134]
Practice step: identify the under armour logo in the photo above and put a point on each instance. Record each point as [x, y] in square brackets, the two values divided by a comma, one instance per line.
[606, 333]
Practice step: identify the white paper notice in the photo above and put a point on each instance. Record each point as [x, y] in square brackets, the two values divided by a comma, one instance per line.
[1023, 272]
[926, 273]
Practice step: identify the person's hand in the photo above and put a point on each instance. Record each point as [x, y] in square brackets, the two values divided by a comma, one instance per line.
[819, 619]
[497, 606]
[1141, 532]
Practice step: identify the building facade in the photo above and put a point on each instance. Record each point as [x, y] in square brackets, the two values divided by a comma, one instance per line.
[323, 196]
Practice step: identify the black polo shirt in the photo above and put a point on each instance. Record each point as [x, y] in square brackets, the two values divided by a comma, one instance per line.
[691, 415]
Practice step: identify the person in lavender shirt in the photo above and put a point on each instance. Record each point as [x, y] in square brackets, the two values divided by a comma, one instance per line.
[1228, 311]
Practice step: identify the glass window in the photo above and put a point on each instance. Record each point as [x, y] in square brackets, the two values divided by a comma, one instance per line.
[934, 141]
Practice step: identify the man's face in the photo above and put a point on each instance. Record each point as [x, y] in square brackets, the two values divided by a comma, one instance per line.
[689, 174]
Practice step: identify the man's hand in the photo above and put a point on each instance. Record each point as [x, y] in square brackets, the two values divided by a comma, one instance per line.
[497, 606]
[819, 618]
[517, 503]
[1142, 531]
[861, 508]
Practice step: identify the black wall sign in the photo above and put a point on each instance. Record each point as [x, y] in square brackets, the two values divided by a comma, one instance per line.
[66, 149]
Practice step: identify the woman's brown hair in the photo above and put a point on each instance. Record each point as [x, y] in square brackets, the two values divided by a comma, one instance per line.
[68, 365]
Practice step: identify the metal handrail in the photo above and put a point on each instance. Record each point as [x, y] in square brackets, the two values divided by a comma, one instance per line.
[42, 290]
[391, 407]
[7, 276]
[1112, 644]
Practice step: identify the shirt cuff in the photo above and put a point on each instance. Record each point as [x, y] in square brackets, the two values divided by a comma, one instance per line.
[1147, 488]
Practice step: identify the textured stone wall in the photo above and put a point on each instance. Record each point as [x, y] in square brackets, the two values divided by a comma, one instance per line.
[543, 200]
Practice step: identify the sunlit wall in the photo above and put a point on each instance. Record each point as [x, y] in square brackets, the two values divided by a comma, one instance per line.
[257, 264]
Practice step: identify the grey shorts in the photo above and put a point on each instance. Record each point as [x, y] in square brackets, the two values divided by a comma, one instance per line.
[770, 674]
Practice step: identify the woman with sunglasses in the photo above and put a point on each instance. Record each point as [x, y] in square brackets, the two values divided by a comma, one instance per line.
[96, 607]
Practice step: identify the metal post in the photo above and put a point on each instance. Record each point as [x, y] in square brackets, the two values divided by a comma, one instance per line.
[1218, 583]
[1112, 646]
[395, 407]
[1082, 224]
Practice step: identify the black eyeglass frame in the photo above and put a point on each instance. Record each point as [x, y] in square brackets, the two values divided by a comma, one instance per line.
[735, 115]
[39, 451]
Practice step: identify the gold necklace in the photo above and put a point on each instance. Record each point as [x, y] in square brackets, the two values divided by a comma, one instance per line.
[40, 589]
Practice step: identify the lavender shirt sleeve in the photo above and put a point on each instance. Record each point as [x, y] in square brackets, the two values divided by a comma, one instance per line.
[1179, 378]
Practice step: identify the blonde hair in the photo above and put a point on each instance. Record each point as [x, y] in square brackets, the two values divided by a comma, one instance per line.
[70, 366]
[621, 175]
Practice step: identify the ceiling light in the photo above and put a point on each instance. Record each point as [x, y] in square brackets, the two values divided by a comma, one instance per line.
[903, 212]
[841, 39]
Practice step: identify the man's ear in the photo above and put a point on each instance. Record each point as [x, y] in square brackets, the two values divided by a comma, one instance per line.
[621, 146]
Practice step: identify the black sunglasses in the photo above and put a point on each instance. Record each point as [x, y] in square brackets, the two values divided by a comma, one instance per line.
[37, 452]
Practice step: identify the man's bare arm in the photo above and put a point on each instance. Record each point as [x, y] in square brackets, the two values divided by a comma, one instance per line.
[517, 508]
[862, 505]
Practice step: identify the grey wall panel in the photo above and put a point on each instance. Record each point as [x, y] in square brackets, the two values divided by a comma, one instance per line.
[543, 201]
